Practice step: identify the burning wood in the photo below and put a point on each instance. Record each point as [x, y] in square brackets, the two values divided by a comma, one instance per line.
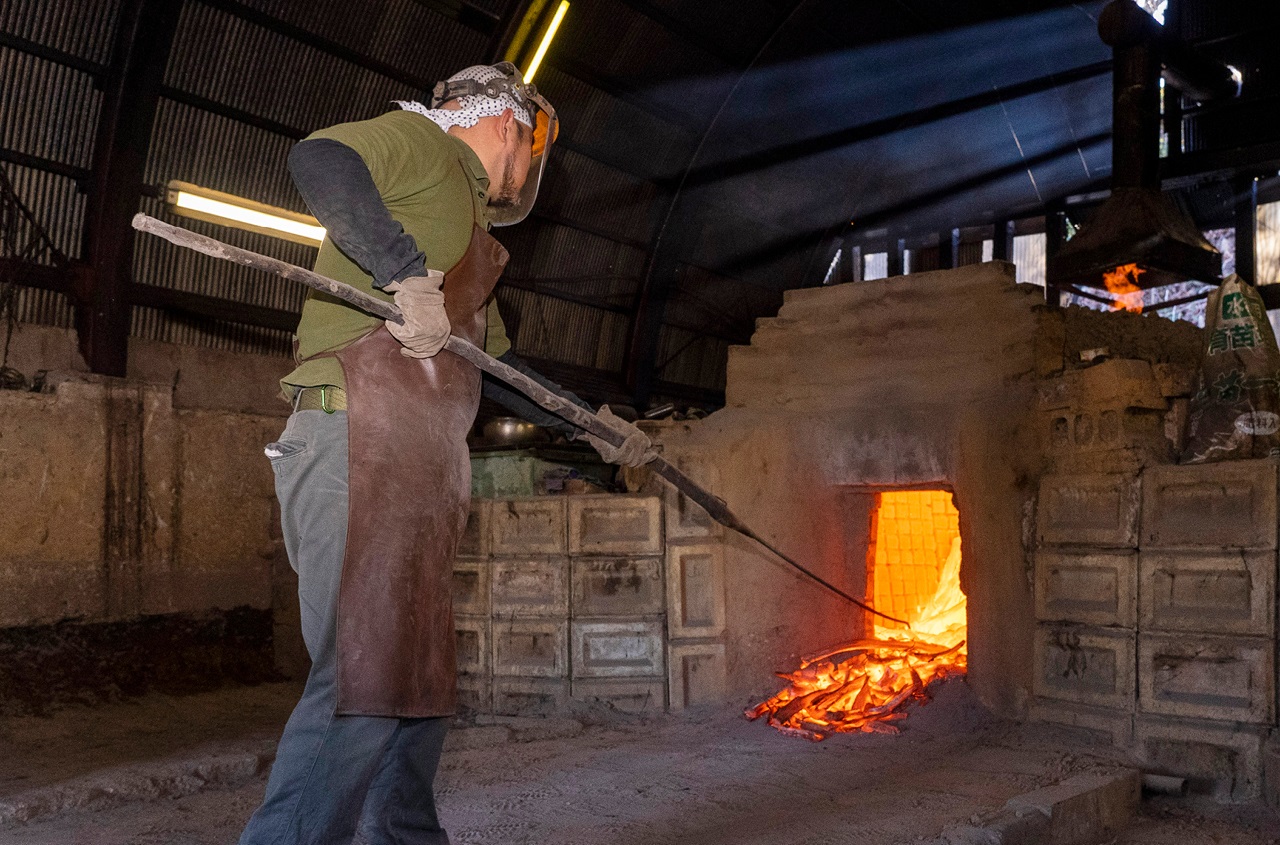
[863, 686]
[1123, 282]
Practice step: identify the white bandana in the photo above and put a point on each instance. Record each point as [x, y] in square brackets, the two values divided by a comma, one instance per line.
[473, 107]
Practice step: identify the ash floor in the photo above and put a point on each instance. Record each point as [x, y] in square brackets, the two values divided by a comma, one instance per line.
[709, 779]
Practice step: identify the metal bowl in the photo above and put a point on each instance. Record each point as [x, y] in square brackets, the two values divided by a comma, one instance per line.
[513, 431]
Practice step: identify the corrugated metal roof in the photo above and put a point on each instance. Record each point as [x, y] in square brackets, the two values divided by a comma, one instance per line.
[552, 251]
[83, 28]
[404, 33]
[273, 76]
[153, 324]
[564, 331]
[613, 131]
[56, 203]
[50, 110]
[690, 357]
[580, 188]
[196, 146]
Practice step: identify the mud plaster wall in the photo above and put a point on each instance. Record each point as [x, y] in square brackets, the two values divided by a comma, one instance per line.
[130, 501]
[924, 380]
[210, 379]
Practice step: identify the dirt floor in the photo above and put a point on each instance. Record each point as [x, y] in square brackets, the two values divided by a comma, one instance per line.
[709, 779]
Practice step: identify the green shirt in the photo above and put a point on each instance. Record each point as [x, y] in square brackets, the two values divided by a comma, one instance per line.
[436, 188]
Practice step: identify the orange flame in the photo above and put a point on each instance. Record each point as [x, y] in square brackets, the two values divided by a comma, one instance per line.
[1123, 282]
[865, 685]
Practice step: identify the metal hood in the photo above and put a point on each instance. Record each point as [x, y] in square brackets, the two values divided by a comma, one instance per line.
[1140, 224]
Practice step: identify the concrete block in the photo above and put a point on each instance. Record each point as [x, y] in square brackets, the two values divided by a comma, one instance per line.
[615, 525]
[52, 449]
[531, 648]
[1175, 424]
[626, 586]
[1204, 677]
[530, 696]
[617, 649]
[1208, 592]
[1217, 758]
[1227, 505]
[477, 537]
[1098, 510]
[1123, 382]
[1092, 666]
[1105, 727]
[1271, 774]
[471, 587]
[528, 526]
[1084, 808]
[230, 485]
[1173, 379]
[684, 519]
[696, 674]
[475, 693]
[1094, 588]
[695, 590]
[638, 696]
[474, 650]
[530, 587]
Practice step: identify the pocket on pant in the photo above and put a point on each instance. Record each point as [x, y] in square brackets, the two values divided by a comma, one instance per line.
[284, 449]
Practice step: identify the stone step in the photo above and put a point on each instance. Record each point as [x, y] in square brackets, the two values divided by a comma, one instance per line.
[1083, 810]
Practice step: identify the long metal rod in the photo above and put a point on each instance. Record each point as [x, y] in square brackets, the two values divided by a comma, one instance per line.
[580, 417]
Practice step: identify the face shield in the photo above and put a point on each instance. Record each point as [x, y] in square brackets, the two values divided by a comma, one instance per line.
[530, 108]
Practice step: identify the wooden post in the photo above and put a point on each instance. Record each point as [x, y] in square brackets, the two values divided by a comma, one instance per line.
[132, 85]
[1002, 241]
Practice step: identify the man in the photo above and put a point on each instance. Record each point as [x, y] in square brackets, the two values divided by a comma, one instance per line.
[372, 470]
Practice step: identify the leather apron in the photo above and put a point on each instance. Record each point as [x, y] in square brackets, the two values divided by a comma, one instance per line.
[410, 492]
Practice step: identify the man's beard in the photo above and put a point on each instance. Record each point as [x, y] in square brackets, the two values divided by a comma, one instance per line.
[507, 194]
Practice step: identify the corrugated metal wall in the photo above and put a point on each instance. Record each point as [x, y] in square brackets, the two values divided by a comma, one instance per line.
[83, 28]
[246, 78]
[237, 96]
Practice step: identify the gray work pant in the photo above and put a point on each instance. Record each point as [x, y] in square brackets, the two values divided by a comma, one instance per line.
[334, 775]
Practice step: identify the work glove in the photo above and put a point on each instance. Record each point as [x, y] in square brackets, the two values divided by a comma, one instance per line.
[635, 451]
[426, 327]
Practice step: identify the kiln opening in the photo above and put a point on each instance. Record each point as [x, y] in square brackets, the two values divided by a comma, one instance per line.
[913, 560]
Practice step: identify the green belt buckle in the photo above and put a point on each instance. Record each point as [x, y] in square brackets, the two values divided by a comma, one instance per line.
[324, 400]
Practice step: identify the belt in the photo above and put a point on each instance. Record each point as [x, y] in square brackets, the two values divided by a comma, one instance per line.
[326, 398]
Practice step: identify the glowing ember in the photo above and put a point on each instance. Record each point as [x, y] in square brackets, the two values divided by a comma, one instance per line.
[1123, 282]
[865, 685]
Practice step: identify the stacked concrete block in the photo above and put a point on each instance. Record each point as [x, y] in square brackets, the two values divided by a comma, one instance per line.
[1108, 417]
[695, 593]
[1156, 601]
[618, 615]
[1206, 632]
[561, 599]
[1086, 591]
[529, 605]
[472, 570]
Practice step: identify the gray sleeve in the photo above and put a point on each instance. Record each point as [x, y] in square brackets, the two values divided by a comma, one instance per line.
[340, 192]
[525, 408]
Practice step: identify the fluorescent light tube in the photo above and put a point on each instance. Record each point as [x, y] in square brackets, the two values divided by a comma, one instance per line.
[546, 41]
[217, 207]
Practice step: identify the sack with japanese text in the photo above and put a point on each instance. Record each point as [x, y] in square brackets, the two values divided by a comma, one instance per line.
[1235, 409]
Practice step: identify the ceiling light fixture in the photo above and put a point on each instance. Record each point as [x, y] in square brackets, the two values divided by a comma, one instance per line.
[212, 206]
[546, 41]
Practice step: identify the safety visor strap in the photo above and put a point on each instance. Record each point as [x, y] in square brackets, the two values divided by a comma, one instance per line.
[525, 95]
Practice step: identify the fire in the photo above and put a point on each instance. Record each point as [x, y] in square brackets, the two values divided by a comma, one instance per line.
[865, 685]
[1123, 282]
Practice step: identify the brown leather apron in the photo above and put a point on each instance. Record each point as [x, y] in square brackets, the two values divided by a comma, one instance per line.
[410, 488]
